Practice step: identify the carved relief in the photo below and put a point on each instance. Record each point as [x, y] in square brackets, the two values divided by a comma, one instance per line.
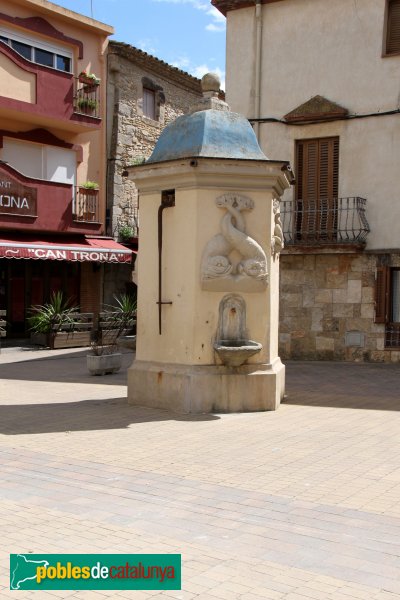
[277, 243]
[219, 271]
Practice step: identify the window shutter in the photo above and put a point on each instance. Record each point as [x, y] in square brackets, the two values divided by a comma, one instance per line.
[329, 168]
[381, 294]
[299, 170]
[393, 27]
[310, 170]
[317, 169]
[149, 103]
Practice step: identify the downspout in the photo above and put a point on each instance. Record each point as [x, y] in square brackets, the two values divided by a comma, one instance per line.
[257, 91]
[167, 201]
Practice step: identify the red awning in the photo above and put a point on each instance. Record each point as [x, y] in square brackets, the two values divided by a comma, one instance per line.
[79, 249]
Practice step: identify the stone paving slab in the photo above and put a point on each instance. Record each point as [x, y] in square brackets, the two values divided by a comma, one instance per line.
[296, 504]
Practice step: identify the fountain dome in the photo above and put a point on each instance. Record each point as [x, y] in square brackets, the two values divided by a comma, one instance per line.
[210, 130]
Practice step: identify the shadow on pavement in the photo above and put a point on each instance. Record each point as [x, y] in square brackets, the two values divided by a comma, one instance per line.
[63, 368]
[343, 385]
[88, 415]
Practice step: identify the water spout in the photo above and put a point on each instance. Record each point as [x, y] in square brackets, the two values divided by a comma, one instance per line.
[232, 345]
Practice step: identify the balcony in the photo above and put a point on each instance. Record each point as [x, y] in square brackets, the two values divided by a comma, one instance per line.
[45, 96]
[86, 205]
[325, 222]
[87, 98]
[34, 205]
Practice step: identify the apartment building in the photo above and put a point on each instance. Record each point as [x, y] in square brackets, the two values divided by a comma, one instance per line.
[52, 159]
[319, 82]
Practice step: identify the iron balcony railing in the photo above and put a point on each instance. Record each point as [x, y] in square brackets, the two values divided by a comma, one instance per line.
[87, 98]
[86, 205]
[324, 221]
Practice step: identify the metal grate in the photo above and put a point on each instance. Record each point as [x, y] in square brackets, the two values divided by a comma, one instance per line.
[86, 206]
[324, 221]
[392, 335]
[87, 99]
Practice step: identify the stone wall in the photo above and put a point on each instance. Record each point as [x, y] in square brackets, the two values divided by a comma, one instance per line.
[132, 135]
[327, 306]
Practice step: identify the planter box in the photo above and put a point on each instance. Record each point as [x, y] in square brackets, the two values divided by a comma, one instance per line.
[127, 341]
[72, 340]
[3, 323]
[62, 339]
[104, 364]
[39, 338]
[88, 81]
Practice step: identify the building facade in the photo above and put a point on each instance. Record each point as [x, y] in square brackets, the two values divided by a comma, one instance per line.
[52, 167]
[318, 80]
[144, 94]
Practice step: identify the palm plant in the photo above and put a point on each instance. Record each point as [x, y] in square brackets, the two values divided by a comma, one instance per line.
[115, 321]
[53, 316]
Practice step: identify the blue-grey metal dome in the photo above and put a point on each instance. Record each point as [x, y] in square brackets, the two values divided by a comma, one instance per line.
[209, 134]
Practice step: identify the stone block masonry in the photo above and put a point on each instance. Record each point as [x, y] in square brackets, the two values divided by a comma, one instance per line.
[327, 308]
[132, 135]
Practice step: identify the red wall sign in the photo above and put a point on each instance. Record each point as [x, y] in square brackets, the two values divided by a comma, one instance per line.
[15, 198]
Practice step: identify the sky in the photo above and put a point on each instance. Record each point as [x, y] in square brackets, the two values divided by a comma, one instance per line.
[188, 34]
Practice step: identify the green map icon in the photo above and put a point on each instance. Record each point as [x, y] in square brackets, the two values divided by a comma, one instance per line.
[24, 569]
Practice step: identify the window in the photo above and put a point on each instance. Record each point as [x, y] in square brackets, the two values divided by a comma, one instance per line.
[149, 103]
[63, 63]
[43, 57]
[393, 27]
[387, 303]
[49, 163]
[22, 49]
[317, 170]
[37, 52]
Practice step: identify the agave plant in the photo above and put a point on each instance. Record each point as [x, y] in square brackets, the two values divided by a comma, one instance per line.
[51, 317]
[114, 322]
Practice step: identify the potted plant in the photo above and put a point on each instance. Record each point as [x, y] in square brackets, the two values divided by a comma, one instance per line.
[88, 79]
[114, 322]
[47, 320]
[125, 232]
[89, 187]
[87, 105]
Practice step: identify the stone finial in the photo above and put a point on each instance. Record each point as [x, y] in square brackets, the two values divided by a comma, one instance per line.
[210, 86]
[210, 82]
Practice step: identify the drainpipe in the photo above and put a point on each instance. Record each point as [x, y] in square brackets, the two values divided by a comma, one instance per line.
[257, 94]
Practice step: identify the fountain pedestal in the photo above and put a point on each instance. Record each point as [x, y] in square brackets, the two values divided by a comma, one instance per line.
[207, 220]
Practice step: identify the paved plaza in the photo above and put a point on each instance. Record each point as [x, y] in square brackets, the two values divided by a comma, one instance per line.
[298, 504]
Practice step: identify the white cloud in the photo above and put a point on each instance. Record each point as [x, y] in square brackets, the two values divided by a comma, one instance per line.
[182, 63]
[214, 27]
[185, 64]
[217, 19]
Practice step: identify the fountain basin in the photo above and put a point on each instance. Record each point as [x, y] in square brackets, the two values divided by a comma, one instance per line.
[234, 353]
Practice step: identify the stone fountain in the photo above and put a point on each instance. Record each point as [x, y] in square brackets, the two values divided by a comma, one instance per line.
[232, 346]
[208, 266]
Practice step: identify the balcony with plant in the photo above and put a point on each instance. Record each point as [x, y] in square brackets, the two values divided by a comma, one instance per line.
[87, 96]
[50, 206]
[86, 206]
[51, 96]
